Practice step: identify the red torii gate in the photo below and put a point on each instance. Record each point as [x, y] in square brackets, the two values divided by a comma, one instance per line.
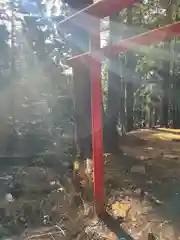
[89, 18]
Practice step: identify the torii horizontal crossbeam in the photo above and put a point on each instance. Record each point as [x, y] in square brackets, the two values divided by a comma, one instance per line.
[144, 39]
[99, 9]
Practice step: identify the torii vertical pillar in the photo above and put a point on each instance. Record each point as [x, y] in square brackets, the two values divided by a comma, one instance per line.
[96, 112]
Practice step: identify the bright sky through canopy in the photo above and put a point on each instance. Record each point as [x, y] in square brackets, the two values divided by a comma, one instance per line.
[30, 7]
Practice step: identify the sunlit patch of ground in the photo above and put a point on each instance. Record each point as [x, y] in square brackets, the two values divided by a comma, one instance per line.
[170, 130]
[167, 136]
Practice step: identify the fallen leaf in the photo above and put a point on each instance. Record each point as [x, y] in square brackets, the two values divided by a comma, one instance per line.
[121, 209]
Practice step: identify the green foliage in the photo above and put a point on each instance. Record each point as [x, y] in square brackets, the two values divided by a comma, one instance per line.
[148, 83]
[32, 69]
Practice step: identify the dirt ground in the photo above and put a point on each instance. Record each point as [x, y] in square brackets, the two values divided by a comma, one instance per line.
[144, 186]
[142, 192]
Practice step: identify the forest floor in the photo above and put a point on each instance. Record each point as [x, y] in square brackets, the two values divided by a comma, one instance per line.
[144, 185]
[142, 193]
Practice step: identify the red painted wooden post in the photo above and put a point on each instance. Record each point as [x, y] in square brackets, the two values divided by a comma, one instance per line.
[96, 111]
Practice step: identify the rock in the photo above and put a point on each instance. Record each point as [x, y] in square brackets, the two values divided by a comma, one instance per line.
[9, 197]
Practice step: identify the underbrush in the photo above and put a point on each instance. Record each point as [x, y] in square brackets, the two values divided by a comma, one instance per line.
[45, 202]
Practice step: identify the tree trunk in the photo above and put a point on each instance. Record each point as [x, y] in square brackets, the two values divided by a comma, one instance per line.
[176, 104]
[113, 103]
[129, 104]
[155, 116]
[82, 91]
[82, 104]
[129, 83]
[166, 83]
[122, 107]
[165, 103]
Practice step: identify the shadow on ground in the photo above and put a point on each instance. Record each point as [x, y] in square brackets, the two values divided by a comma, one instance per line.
[114, 226]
